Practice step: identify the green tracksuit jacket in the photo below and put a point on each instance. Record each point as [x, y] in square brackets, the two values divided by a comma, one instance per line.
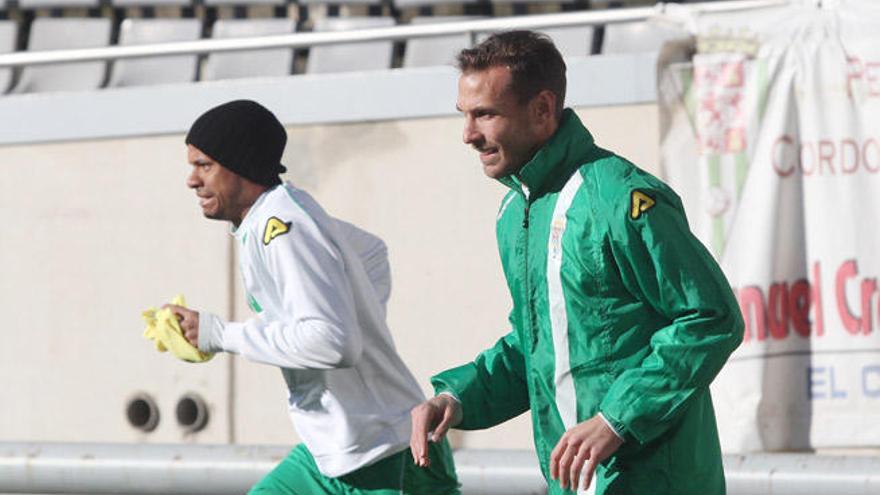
[617, 308]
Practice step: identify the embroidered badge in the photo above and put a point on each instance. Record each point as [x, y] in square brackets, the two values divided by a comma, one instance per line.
[274, 228]
[640, 203]
[557, 228]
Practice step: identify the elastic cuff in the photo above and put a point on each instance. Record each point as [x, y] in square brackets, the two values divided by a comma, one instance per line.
[609, 425]
[210, 332]
[449, 393]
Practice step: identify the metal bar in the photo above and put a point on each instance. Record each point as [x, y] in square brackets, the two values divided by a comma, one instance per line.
[231, 469]
[802, 474]
[131, 469]
[303, 40]
[136, 469]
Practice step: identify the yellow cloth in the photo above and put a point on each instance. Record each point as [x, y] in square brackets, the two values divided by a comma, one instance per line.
[164, 329]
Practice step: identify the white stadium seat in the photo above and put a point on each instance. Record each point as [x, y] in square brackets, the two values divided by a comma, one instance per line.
[573, 41]
[58, 33]
[7, 44]
[438, 50]
[634, 37]
[346, 57]
[212, 3]
[250, 63]
[156, 70]
[151, 3]
[37, 4]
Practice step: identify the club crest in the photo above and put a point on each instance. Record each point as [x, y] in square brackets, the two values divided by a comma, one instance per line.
[557, 228]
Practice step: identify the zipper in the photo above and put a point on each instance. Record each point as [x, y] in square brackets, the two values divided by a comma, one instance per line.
[525, 268]
[527, 194]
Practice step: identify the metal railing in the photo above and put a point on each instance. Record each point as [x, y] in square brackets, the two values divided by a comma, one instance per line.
[230, 469]
[397, 33]
[135, 469]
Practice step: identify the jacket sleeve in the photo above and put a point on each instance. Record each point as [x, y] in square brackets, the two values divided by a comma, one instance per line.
[666, 267]
[492, 388]
[319, 329]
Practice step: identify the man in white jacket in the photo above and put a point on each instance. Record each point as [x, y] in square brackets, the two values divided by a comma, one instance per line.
[319, 287]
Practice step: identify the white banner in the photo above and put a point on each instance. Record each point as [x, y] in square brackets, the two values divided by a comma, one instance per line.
[771, 135]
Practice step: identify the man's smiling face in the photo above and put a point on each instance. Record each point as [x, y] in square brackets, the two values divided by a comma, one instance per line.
[497, 124]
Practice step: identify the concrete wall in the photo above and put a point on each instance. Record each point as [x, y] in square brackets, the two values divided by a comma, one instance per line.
[93, 233]
[96, 231]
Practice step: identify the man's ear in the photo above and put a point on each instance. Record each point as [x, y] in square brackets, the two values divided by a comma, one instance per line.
[543, 107]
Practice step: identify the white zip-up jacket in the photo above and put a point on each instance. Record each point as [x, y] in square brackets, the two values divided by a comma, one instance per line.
[319, 286]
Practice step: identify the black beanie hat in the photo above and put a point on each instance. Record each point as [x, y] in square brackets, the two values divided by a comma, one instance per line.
[244, 137]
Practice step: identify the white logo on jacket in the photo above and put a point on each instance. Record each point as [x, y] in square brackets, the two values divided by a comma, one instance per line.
[557, 228]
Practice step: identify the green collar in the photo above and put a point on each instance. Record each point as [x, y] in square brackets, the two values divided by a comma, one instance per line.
[566, 150]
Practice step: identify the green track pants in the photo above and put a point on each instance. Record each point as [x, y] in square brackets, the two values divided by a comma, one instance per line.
[298, 474]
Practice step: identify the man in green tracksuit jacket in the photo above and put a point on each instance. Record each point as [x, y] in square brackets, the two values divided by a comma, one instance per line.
[621, 318]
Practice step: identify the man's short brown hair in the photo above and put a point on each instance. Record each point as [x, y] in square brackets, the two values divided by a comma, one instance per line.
[534, 63]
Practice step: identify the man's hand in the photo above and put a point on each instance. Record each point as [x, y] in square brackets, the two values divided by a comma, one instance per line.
[189, 322]
[592, 442]
[434, 416]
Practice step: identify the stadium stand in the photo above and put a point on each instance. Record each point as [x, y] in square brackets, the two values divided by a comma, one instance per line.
[58, 33]
[36, 4]
[54, 24]
[632, 37]
[156, 70]
[523, 5]
[150, 3]
[426, 4]
[343, 57]
[339, 2]
[7, 44]
[240, 3]
[575, 41]
[251, 63]
[440, 50]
